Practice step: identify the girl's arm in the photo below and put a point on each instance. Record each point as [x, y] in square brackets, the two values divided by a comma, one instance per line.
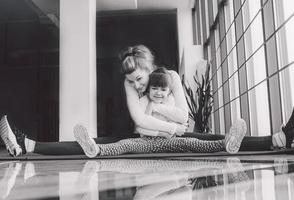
[140, 118]
[179, 112]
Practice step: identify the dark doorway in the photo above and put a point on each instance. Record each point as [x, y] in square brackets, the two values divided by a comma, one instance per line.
[116, 30]
[29, 69]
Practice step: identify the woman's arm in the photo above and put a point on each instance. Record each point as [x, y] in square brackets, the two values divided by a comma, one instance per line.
[170, 112]
[179, 112]
[140, 118]
[153, 133]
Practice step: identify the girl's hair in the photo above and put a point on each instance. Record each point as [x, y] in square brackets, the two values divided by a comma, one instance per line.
[134, 57]
[159, 78]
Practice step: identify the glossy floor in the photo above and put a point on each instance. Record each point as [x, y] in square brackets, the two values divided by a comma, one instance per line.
[244, 177]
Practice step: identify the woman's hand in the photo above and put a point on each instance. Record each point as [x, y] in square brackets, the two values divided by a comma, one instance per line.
[165, 135]
[180, 129]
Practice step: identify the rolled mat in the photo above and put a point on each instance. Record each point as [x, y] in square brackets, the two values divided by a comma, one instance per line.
[31, 156]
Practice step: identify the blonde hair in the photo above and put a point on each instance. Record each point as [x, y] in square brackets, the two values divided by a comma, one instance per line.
[134, 57]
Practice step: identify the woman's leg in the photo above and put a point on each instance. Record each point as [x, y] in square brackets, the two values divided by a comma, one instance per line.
[68, 148]
[249, 143]
[231, 143]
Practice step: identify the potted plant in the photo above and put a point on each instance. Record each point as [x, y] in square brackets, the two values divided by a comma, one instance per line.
[200, 102]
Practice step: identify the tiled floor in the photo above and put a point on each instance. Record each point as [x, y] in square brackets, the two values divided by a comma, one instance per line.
[244, 177]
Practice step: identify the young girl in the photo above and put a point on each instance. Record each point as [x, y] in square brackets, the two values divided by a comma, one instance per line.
[152, 141]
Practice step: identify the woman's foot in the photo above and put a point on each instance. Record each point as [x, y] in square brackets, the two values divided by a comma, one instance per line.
[88, 145]
[288, 129]
[234, 138]
[14, 141]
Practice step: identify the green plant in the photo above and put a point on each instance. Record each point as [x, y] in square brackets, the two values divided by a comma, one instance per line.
[200, 102]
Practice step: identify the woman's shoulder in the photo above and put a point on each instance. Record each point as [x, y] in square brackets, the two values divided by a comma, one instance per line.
[176, 80]
[129, 89]
[173, 74]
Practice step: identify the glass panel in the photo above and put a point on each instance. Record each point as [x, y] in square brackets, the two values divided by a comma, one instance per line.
[220, 91]
[231, 40]
[259, 110]
[232, 62]
[254, 36]
[209, 52]
[215, 8]
[222, 121]
[235, 110]
[229, 14]
[234, 86]
[216, 35]
[250, 9]
[256, 69]
[282, 11]
[201, 23]
[207, 19]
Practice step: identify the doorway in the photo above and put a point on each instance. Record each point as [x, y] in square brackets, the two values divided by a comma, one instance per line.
[116, 30]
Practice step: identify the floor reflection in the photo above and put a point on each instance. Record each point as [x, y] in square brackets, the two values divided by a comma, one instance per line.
[226, 178]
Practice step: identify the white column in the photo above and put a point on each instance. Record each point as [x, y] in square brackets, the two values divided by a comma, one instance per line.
[77, 67]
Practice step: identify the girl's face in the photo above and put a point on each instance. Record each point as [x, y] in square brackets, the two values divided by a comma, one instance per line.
[158, 94]
[139, 79]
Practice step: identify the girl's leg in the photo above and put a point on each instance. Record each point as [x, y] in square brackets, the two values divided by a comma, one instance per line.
[132, 145]
[177, 145]
[231, 144]
[162, 145]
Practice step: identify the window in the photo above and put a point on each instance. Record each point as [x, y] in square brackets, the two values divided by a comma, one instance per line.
[284, 24]
[258, 51]
[256, 68]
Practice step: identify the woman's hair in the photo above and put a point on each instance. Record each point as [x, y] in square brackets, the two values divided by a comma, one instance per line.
[134, 57]
[159, 78]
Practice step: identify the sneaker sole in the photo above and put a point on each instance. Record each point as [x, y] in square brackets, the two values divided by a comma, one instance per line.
[88, 145]
[235, 137]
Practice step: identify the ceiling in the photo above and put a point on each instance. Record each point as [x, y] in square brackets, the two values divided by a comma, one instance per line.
[51, 6]
[28, 9]
[104, 5]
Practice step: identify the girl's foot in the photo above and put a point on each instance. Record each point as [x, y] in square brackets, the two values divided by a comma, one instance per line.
[234, 138]
[88, 145]
[14, 141]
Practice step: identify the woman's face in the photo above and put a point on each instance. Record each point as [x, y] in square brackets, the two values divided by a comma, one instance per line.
[139, 79]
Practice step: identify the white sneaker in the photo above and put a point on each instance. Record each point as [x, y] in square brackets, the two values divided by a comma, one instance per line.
[88, 144]
[234, 138]
[9, 138]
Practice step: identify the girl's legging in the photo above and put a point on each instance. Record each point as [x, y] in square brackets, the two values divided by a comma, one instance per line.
[160, 145]
[249, 143]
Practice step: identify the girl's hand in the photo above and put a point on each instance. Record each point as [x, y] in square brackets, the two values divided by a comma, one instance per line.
[150, 108]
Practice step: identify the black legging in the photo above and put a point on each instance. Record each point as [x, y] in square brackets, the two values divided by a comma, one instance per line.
[249, 143]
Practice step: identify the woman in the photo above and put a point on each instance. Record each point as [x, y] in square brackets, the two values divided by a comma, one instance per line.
[137, 64]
